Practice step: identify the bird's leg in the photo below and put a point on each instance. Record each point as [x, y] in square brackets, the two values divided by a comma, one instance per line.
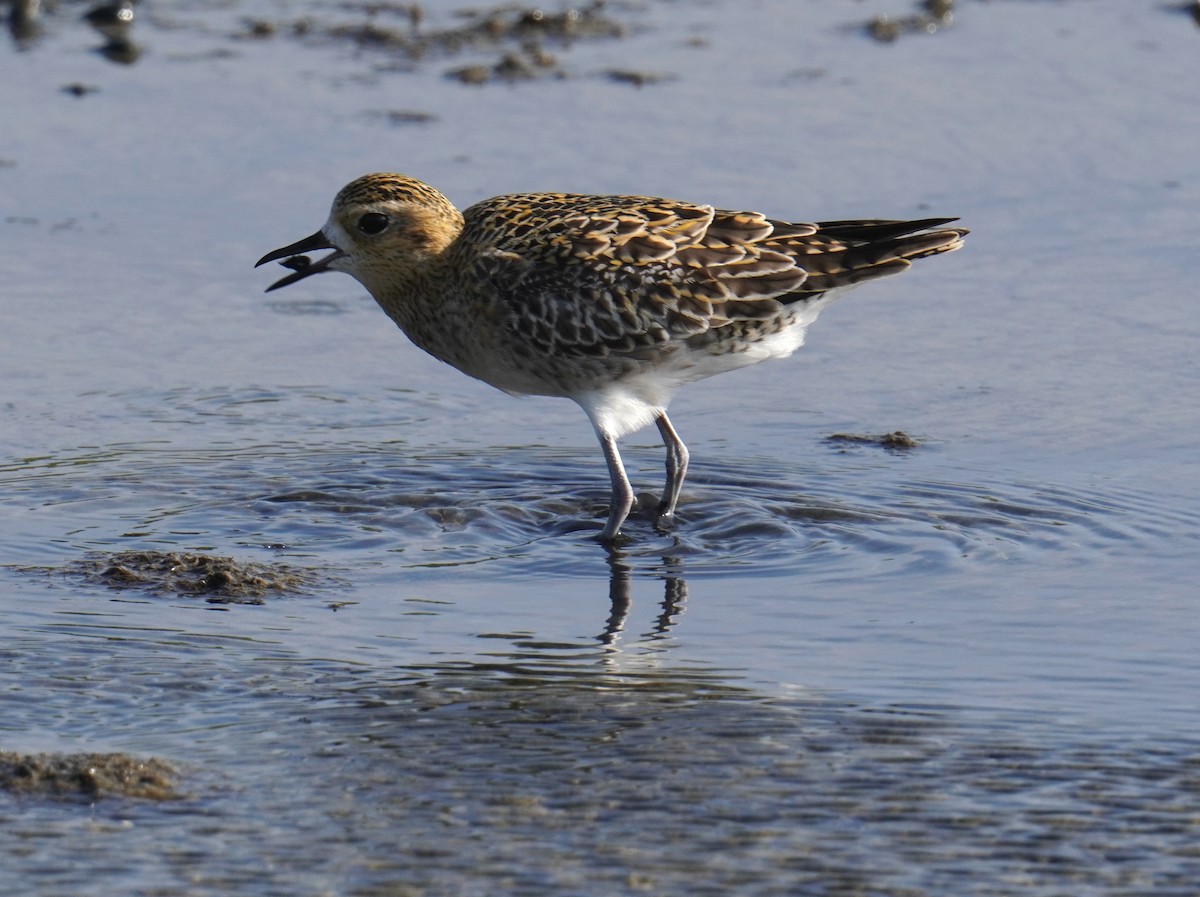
[677, 464]
[622, 492]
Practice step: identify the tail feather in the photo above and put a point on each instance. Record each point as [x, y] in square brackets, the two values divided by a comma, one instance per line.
[858, 251]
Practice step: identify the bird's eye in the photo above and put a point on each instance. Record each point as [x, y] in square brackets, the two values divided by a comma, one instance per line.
[372, 223]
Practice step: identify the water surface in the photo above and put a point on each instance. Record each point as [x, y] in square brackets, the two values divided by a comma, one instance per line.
[968, 667]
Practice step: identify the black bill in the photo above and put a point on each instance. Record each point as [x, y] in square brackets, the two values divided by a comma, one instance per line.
[300, 264]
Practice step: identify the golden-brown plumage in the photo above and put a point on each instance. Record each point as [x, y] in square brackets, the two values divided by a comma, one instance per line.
[613, 301]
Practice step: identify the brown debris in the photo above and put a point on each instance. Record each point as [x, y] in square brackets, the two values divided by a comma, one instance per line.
[408, 117]
[636, 77]
[516, 33]
[934, 16]
[79, 89]
[523, 65]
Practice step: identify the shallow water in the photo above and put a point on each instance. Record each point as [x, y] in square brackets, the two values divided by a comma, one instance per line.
[967, 667]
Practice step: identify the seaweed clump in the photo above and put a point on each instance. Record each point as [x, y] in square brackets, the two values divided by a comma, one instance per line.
[219, 580]
[92, 776]
[897, 439]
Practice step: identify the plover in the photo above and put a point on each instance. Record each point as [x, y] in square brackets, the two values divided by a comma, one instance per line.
[612, 301]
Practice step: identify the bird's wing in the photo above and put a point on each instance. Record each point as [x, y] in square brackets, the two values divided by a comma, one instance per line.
[599, 275]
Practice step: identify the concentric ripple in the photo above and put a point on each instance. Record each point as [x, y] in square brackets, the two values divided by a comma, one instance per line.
[460, 506]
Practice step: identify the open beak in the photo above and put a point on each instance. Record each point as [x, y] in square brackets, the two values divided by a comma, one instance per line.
[300, 264]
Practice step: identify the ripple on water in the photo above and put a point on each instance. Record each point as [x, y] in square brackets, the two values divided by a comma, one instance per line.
[460, 506]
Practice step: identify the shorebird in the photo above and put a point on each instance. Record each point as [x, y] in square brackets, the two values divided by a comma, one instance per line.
[612, 301]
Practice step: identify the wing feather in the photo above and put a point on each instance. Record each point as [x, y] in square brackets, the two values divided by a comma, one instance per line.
[600, 275]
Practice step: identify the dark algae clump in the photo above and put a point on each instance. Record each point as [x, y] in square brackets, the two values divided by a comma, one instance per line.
[897, 439]
[219, 580]
[86, 775]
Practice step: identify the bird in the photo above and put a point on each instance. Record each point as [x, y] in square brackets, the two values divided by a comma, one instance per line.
[613, 301]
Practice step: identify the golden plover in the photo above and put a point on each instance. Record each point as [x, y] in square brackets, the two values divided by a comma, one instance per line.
[612, 301]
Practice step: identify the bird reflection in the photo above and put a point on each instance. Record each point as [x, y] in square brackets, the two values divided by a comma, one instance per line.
[620, 595]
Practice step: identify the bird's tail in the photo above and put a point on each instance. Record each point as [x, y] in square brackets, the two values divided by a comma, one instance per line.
[858, 251]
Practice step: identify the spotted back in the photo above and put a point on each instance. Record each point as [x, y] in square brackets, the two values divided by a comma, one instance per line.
[597, 275]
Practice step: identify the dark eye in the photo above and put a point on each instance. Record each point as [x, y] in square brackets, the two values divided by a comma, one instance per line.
[372, 223]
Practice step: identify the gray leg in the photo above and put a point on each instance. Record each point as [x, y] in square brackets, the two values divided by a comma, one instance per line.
[677, 464]
[622, 492]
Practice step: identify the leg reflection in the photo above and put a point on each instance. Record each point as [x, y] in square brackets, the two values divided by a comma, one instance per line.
[620, 595]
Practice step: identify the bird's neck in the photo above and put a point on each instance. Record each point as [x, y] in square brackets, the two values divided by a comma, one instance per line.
[428, 306]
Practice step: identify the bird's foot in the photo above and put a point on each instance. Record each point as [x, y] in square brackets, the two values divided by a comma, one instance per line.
[665, 520]
[612, 540]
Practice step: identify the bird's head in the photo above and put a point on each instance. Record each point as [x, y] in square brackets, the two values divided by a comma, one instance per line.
[383, 228]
